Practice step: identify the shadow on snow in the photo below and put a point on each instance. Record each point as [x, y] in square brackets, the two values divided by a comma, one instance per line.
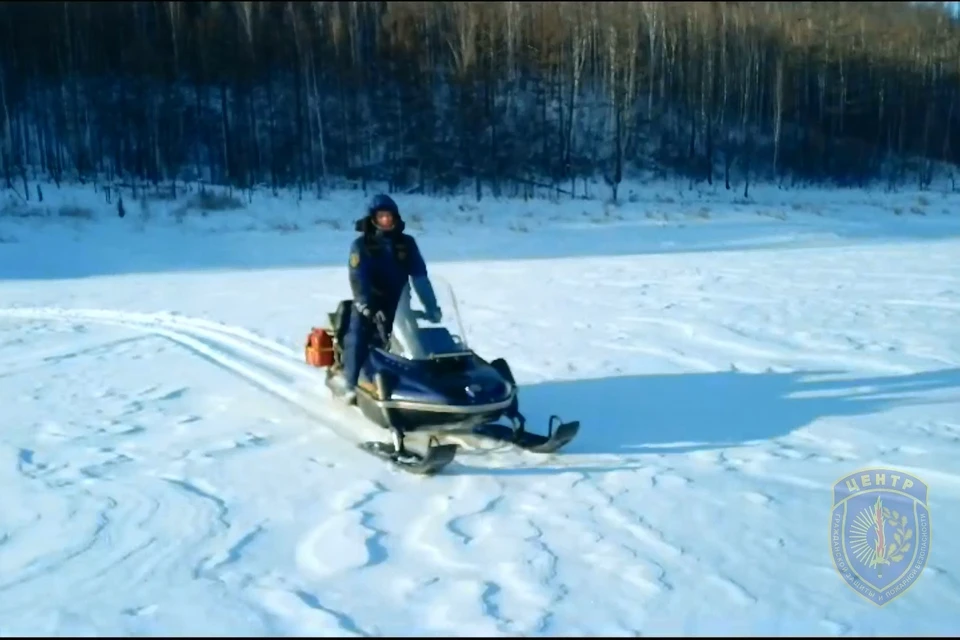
[679, 413]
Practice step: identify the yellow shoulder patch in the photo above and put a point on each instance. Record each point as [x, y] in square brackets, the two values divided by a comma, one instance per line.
[354, 259]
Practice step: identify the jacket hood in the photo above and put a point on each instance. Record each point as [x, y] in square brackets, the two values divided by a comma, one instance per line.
[366, 226]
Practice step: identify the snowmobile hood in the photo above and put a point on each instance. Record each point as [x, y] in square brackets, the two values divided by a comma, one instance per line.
[434, 387]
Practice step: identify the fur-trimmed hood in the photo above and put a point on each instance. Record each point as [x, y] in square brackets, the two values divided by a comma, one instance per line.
[366, 226]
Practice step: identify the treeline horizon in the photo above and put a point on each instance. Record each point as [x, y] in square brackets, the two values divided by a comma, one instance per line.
[439, 96]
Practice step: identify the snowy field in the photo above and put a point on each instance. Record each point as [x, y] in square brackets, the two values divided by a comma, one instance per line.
[168, 464]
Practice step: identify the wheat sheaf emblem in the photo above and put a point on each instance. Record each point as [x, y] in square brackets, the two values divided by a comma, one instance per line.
[868, 538]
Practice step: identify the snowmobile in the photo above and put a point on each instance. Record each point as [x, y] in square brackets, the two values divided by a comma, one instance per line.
[421, 376]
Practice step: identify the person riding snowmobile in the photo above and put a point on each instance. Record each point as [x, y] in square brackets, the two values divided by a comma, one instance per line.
[382, 260]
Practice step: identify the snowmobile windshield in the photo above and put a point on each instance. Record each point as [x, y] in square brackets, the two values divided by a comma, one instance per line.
[416, 337]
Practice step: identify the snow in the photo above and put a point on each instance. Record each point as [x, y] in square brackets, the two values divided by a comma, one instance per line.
[168, 464]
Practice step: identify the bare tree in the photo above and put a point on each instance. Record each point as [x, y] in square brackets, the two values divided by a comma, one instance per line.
[506, 94]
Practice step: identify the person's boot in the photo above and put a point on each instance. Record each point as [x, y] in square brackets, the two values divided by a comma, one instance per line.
[342, 390]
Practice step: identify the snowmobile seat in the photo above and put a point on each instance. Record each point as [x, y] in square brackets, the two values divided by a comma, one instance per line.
[340, 320]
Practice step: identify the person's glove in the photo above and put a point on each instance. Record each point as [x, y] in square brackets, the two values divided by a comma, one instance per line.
[379, 317]
[434, 315]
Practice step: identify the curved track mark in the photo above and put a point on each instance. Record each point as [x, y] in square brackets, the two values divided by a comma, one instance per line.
[267, 365]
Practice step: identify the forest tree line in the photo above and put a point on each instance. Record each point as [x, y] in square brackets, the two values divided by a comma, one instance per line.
[497, 95]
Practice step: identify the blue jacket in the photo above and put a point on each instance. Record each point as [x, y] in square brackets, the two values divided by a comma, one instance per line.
[380, 265]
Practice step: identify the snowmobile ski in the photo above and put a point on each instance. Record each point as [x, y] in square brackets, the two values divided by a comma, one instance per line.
[557, 436]
[433, 461]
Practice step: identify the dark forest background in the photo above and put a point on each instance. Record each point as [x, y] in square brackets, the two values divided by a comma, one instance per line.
[492, 96]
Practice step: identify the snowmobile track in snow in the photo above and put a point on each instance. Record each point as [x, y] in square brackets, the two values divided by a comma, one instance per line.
[267, 365]
[261, 362]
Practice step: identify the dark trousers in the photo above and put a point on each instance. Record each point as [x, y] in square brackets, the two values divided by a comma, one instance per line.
[362, 334]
